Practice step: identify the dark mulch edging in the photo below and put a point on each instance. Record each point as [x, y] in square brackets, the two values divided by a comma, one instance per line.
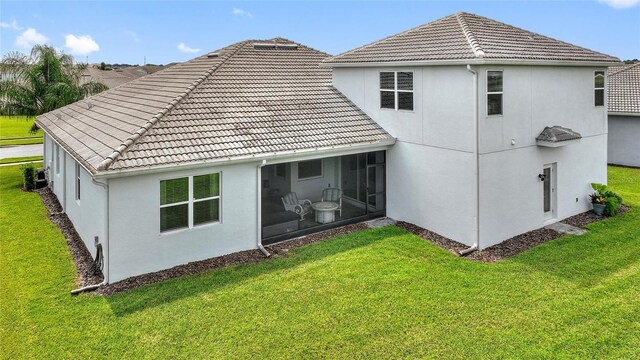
[510, 247]
[243, 257]
[81, 256]
[588, 217]
[433, 237]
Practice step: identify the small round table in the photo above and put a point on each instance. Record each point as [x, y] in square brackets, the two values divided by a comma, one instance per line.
[325, 211]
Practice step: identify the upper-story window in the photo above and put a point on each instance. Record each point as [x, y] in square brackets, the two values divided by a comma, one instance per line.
[599, 88]
[494, 92]
[396, 90]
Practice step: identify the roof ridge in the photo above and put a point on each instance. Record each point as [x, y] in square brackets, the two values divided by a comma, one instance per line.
[388, 37]
[625, 67]
[471, 38]
[126, 144]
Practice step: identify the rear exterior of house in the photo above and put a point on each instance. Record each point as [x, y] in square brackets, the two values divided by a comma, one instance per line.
[624, 115]
[459, 182]
[264, 140]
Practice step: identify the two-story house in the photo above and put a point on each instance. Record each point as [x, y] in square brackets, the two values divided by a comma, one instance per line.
[468, 127]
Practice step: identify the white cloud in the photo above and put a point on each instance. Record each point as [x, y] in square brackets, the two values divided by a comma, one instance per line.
[12, 25]
[184, 48]
[620, 4]
[80, 45]
[241, 13]
[29, 38]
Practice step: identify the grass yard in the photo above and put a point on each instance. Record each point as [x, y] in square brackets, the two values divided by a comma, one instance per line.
[20, 159]
[381, 293]
[14, 130]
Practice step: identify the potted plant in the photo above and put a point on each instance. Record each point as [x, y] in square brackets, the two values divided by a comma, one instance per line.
[599, 203]
[604, 200]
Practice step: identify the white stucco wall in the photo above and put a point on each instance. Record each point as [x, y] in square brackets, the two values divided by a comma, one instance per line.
[433, 188]
[511, 196]
[86, 214]
[624, 140]
[138, 247]
[536, 97]
[431, 169]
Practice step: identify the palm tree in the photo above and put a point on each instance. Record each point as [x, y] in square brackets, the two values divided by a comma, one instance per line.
[41, 82]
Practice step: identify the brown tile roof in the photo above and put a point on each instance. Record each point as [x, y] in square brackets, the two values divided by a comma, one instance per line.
[119, 76]
[462, 37]
[245, 102]
[624, 88]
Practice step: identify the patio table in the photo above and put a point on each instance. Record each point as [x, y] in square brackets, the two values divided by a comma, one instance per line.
[325, 211]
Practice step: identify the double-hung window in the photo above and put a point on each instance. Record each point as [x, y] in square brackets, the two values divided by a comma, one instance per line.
[599, 88]
[494, 92]
[396, 90]
[58, 164]
[189, 201]
[78, 181]
[309, 169]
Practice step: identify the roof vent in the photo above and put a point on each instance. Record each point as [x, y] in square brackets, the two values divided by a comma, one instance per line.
[270, 45]
[213, 55]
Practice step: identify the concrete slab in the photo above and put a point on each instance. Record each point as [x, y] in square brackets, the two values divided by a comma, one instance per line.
[376, 223]
[566, 228]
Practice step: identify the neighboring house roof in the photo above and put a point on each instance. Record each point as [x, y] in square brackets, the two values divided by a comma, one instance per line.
[624, 89]
[470, 38]
[117, 77]
[555, 135]
[241, 102]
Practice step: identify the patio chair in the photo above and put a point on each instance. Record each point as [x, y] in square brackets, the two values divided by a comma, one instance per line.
[300, 207]
[333, 195]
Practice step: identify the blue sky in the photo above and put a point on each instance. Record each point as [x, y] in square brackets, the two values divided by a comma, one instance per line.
[163, 32]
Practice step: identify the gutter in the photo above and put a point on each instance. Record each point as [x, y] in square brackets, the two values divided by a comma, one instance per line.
[470, 62]
[476, 129]
[304, 154]
[105, 243]
[623, 113]
[259, 209]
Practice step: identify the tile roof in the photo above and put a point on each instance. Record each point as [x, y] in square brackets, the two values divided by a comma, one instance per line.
[247, 101]
[557, 134]
[624, 88]
[464, 36]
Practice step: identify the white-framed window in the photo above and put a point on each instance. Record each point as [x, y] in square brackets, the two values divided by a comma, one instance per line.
[78, 169]
[494, 92]
[599, 88]
[396, 90]
[189, 201]
[310, 169]
[58, 164]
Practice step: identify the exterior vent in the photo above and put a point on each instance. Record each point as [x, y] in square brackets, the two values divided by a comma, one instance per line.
[289, 46]
[213, 55]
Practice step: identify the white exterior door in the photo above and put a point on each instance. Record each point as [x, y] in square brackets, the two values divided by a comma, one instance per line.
[549, 191]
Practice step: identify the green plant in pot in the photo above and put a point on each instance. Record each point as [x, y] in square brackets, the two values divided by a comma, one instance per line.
[604, 200]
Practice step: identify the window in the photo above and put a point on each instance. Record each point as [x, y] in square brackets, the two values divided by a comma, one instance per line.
[77, 181]
[494, 92]
[599, 88]
[58, 159]
[396, 90]
[189, 201]
[309, 169]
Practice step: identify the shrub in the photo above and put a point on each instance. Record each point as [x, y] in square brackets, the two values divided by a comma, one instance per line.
[29, 176]
[604, 195]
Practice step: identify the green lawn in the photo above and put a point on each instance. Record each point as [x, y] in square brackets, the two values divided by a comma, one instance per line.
[20, 159]
[14, 130]
[380, 293]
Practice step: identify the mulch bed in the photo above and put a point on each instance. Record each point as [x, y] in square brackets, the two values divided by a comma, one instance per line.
[83, 260]
[243, 257]
[81, 256]
[510, 247]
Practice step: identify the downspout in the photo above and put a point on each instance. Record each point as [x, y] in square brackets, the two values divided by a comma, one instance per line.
[259, 209]
[105, 242]
[476, 245]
